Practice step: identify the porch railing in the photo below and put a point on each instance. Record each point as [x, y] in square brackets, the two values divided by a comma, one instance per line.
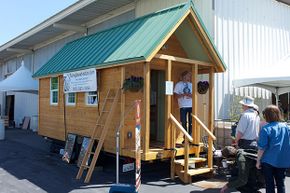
[210, 141]
[187, 139]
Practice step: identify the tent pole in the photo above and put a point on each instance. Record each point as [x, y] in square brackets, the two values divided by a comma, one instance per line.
[288, 107]
[277, 97]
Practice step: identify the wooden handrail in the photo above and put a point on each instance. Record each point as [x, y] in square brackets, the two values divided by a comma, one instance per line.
[204, 127]
[179, 126]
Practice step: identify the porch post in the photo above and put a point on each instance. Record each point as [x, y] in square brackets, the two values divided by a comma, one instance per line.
[210, 115]
[169, 140]
[123, 107]
[169, 131]
[147, 106]
[194, 103]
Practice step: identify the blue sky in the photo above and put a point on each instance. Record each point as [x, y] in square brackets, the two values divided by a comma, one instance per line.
[18, 16]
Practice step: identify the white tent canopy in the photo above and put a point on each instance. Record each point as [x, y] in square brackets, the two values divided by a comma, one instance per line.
[275, 78]
[20, 81]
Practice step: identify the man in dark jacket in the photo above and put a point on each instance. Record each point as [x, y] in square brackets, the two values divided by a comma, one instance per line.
[245, 177]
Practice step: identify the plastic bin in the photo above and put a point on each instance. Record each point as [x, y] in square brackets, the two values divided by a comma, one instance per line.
[34, 123]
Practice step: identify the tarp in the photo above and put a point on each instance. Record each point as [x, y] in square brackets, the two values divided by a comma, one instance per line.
[275, 78]
[20, 81]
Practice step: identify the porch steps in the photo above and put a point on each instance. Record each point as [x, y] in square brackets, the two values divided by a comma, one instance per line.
[190, 160]
[197, 171]
[197, 166]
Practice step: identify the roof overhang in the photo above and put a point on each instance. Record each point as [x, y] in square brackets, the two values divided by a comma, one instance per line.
[207, 40]
[284, 1]
[76, 19]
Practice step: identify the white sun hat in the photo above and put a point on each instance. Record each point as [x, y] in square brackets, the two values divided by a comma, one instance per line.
[248, 101]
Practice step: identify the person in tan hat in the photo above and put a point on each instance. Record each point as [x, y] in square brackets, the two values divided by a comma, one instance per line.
[248, 126]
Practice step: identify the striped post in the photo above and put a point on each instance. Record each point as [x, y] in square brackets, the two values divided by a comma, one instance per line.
[138, 146]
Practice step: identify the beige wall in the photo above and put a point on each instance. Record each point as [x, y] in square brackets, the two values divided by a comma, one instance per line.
[204, 8]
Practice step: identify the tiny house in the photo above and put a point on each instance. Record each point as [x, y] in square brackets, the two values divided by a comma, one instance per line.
[152, 49]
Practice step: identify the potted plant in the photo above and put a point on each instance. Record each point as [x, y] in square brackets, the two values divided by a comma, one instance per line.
[133, 83]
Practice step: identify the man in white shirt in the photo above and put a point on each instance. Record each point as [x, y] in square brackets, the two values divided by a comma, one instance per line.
[183, 92]
[248, 126]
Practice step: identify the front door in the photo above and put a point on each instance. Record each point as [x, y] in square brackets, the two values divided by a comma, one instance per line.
[157, 107]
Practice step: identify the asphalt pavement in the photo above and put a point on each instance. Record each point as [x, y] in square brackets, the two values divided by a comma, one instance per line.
[28, 166]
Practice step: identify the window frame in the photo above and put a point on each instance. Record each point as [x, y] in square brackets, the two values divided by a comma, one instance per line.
[67, 99]
[87, 95]
[53, 90]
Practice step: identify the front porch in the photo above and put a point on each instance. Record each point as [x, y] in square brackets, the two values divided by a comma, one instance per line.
[162, 132]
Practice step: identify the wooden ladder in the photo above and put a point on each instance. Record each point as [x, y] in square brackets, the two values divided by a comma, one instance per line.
[110, 102]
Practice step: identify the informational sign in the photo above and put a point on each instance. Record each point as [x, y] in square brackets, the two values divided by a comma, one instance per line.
[168, 87]
[128, 167]
[69, 146]
[138, 146]
[84, 148]
[80, 81]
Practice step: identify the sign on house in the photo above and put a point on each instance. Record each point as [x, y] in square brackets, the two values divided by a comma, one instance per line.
[80, 81]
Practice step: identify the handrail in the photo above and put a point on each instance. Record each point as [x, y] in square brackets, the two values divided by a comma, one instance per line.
[204, 127]
[179, 126]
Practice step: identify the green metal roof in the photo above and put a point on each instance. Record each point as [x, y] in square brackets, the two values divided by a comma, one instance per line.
[130, 42]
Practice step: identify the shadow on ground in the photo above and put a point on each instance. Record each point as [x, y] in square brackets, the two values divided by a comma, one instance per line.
[28, 166]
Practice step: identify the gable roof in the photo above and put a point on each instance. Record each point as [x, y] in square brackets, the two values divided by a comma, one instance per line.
[135, 41]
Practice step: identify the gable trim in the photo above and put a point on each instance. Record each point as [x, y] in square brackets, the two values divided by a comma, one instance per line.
[151, 56]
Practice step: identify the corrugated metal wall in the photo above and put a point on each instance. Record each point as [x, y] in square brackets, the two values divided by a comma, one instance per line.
[250, 34]
[144, 7]
[204, 8]
[27, 104]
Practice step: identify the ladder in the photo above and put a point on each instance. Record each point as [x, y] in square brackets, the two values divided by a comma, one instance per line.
[107, 111]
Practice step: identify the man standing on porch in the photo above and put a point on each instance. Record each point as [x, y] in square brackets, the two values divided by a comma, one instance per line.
[183, 93]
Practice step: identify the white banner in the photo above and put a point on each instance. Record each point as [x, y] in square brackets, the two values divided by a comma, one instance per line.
[80, 81]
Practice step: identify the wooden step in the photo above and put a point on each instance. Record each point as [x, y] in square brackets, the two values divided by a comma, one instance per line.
[197, 171]
[190, 160]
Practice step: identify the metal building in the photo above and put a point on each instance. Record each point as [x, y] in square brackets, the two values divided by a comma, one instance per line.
[249, 34]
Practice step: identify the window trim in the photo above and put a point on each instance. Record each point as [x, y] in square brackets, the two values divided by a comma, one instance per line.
[87, 95]
[55, 90]
[67, 103]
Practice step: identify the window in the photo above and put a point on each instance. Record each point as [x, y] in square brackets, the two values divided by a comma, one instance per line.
[54, 91]
[91, 98]
[70, 99]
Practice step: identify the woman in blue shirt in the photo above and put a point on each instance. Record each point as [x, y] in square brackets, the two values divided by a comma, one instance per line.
[274, 150]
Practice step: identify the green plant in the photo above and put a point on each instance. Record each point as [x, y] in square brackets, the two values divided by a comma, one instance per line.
[133, 83]
[235, 108]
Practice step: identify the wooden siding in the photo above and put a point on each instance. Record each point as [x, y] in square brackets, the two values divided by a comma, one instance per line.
[80, 119]
[129, 122]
